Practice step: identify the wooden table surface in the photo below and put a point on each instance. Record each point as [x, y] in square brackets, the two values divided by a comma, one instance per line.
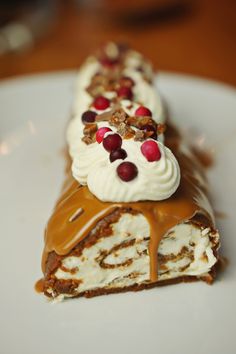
[198, 39]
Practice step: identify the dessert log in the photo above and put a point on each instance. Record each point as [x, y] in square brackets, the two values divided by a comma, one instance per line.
[134, 211]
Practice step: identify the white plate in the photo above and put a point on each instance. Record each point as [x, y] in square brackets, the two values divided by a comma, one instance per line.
[185, 318]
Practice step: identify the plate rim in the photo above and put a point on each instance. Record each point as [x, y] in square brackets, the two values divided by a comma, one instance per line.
[177, 75]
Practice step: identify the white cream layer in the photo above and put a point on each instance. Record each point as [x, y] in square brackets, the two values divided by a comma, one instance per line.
[136, 227]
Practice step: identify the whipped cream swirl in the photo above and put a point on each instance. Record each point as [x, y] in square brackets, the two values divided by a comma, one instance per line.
[145, 93]
[156, 180]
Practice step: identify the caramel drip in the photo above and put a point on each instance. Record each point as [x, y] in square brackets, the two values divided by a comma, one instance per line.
[161, 219]
[62, 235]
[39, 286]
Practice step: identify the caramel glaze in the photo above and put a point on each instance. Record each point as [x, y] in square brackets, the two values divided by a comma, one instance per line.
[189, 201]
[39, 286]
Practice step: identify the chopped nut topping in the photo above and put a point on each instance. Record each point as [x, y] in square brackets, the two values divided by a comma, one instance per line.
[125, 131]
[161, 128]
[106, 80]
[97, 85]
[90, 129]
[139, 121]
[89, 133]
[95, 90]
[106, 116]
[88, 140]
[110, 78]
[119, 116]
[126, 82]
[140, 135]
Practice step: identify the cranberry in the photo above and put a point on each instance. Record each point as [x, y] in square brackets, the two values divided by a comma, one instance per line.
[127, 171]
[88, 117]
[118, 154]
[101, 132]
[101, 103]
[143, 111]
[109, 62]
[151, 150]
[125, 92]
[150, 128]
[112, 142]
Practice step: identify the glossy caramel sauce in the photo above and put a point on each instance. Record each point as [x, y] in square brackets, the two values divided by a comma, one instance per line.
[39, 285]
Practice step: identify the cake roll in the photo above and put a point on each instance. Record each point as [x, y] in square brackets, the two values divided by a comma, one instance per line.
[134, 211]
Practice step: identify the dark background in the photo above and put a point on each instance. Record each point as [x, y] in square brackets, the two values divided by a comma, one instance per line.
[194, 37]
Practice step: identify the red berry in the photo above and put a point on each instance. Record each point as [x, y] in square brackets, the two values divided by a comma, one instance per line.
[101, 132]
[125, 92]
[88, 117]
[151, 150]
[112, 142]
[101, 103]
[150, 128]
[118, 154]
[127, 171]
[143, 111]
[109, 62]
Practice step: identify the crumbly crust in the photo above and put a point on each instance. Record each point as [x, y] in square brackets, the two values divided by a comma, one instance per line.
[68, 286]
